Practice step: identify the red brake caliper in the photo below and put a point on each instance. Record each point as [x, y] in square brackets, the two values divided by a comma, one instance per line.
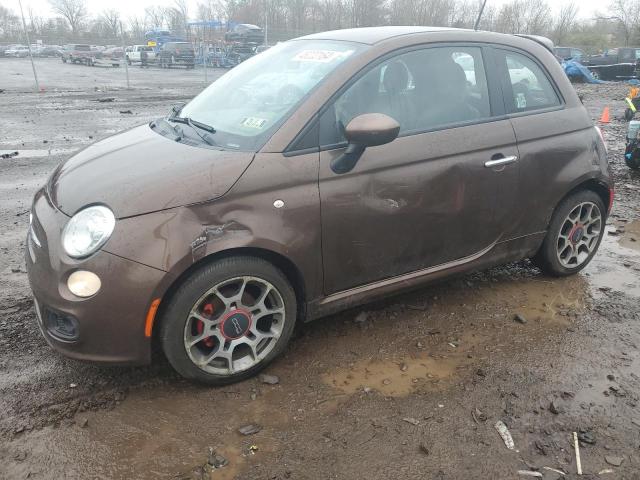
[208, 311]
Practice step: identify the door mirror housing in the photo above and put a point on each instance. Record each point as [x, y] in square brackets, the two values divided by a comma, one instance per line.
[366, 130]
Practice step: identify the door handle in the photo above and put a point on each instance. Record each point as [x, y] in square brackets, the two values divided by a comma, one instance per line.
[500, 160]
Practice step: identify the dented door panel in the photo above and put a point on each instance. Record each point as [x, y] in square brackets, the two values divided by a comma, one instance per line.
[421, 201]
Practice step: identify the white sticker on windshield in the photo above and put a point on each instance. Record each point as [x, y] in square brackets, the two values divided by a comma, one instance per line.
[253, 122]
[320, 56]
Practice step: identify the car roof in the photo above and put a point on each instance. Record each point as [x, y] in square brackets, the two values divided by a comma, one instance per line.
[372, 35]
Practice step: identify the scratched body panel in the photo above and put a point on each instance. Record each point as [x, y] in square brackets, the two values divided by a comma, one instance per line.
[244, 218]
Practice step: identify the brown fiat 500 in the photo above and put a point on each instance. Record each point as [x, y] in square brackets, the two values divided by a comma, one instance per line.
[323, 173]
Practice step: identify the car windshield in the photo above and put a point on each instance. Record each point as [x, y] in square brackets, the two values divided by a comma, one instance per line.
[247, 104]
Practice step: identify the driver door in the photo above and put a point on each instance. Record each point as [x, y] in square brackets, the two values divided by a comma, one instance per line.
[430, 198]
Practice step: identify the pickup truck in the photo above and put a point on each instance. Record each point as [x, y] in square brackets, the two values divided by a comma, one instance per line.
[133, 54]
[78, 53]
[615, 64]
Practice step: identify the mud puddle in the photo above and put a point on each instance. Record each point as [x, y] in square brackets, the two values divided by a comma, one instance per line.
[395, 378]
[631, 236]
[540, 299]
[616, 266]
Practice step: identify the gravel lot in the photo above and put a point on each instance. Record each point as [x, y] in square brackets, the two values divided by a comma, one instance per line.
[409, 387]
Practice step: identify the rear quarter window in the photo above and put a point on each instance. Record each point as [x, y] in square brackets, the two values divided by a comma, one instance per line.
[527, 86]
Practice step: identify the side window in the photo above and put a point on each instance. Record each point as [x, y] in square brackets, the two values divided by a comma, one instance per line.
[528, 86]
[422, 90]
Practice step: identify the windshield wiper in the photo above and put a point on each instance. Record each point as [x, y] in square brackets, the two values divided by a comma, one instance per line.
[197, 126]
[193, 123]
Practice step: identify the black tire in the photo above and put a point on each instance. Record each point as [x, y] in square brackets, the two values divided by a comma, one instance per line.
[175, 315]
[64, 60]
[633, 162]
[628, 114]
[547, 257]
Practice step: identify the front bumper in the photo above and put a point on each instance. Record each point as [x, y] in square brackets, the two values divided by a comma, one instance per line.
[110, 325]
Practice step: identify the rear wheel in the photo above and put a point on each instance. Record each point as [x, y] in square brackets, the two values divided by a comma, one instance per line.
[228, 320]
[574, 235]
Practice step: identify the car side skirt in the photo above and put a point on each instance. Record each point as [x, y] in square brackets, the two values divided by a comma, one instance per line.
[496, 254]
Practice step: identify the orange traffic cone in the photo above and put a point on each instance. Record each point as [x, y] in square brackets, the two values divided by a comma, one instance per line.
[605, 115]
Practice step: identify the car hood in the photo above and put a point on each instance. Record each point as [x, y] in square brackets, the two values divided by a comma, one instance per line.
[140, 171]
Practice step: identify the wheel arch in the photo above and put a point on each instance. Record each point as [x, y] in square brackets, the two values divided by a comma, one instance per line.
[603, 190]
[284, 264]
[598, 186]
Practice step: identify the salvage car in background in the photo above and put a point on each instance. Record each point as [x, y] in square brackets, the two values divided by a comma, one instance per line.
[49, 51]
[615, 64]
[174, 54]
[245, 33]
[110, 57]
[569, 53]
[17, 51]
[216, 229]
[78, 53]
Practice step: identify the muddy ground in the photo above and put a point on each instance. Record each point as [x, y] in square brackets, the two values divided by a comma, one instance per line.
[409, 387]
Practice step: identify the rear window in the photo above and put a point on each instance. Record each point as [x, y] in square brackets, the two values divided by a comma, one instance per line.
[82, 47]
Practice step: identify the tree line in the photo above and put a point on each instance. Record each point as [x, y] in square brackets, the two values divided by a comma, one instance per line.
[617, 24]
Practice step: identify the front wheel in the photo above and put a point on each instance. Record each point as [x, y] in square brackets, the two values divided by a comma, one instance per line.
[574, 235]
[228, 320]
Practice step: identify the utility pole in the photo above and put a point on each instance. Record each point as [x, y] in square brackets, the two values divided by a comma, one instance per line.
[124, 55]
[475, 27]
[26, 34]
[266, 22]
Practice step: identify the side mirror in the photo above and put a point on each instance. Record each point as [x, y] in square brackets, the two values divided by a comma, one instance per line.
[367, 130]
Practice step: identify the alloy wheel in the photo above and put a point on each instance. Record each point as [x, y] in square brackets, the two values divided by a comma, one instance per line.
[579, 235]
[234, 325]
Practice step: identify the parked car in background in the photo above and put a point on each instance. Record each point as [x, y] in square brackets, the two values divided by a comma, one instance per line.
[568, 53]
[78, 53]
[614, 64]
[49, 51]
[173, 54]
[245, 33]
[370, 167]
[110, 57]
[133, 54]
[17, 51]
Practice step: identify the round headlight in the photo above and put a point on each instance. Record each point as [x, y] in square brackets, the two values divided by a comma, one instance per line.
[87, 231]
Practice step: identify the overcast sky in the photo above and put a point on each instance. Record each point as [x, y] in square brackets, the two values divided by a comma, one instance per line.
[136, 7]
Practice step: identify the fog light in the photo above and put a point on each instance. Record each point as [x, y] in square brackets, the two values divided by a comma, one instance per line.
[83, 283]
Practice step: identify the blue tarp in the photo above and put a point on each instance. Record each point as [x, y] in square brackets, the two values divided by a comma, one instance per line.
[575, 69]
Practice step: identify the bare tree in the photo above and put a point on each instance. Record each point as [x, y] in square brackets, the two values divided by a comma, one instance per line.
[73, 11]
[564, 22]
[627, 13]
[111, 20]
[137, 28]
[179, 16]
[156, 16]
